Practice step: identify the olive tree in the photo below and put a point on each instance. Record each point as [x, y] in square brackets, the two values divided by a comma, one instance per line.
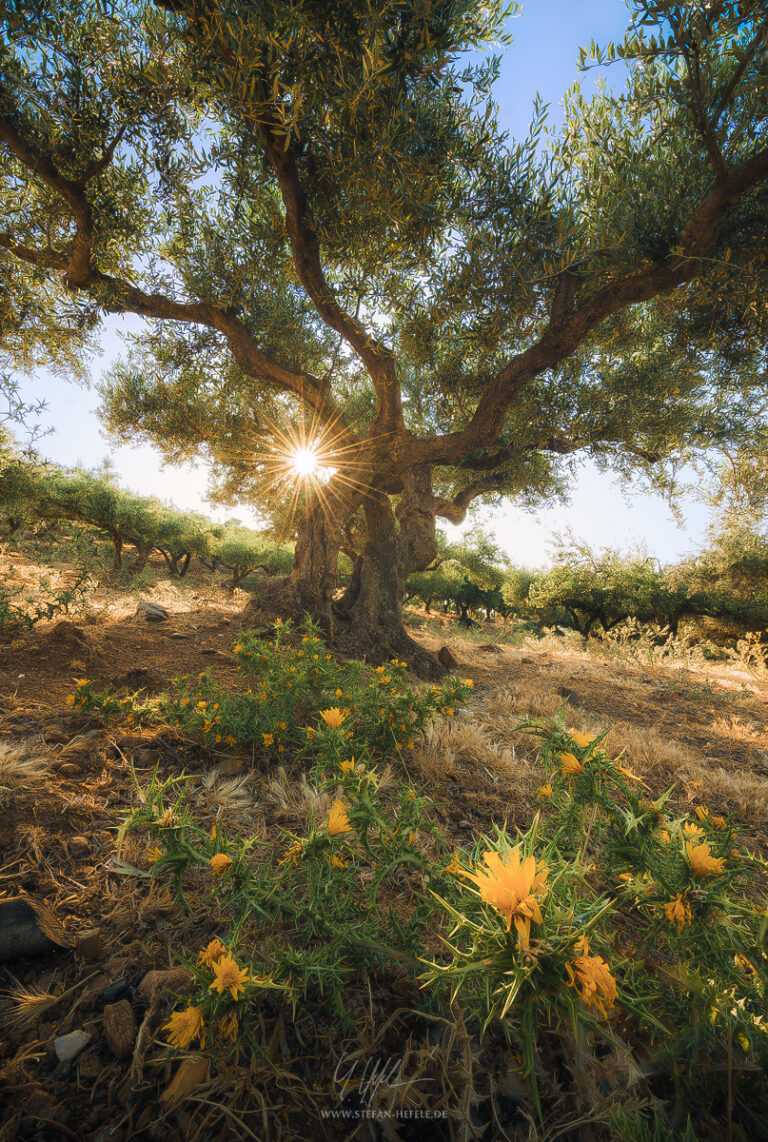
[336, 249]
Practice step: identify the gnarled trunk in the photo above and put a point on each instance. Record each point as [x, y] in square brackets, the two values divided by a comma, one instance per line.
[367, 620]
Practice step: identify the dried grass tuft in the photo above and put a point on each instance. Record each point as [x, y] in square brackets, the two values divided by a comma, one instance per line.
[21, 771]
[30, 1004]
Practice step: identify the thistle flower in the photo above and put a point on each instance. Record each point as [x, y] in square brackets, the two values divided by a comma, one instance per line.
[220, 863]
[570, 765]
[292, 853]
[228, 1026]
[338, 821]
[701, 860]
[211, 953]
[544, 791]
[691, 830]
[229, 977]
[508, 883]
[268, 739]
[154, 854]
[184, 1026]
[168, 819]
[581, 740]
[591, 977]
[678, 911]
[347, 766]
[333, 718]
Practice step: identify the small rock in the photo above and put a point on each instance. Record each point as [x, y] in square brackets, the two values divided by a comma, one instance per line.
[172, 979]
[89, 1066]
[571, 695]
[231, 765]
[489, 648]
[68, 1047]
[446, 658]
[93, 990]
[55, 736]
[524, 661]
[69, 769]
[176, 634]
[120, 1028]
[79, 844]
[88, 945]
[29, 928]
[191, 1074]
[112, 994]
[151, 612]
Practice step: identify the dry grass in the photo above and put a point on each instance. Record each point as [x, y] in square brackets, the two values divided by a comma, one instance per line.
[22, 771]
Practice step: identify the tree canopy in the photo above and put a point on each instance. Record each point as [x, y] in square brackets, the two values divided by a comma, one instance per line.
[334, 243]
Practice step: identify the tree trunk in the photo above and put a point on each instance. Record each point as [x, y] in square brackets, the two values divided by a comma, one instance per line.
[367, 620]
[143, 552]
[117, 548]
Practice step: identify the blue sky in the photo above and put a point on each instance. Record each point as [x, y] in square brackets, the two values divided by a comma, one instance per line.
[542, 59]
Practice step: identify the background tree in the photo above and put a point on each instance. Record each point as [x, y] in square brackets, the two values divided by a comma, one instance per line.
[318, 215]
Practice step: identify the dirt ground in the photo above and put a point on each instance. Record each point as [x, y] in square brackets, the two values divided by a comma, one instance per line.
[65, 786]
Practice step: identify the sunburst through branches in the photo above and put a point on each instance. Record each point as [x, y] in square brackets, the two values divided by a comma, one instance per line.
[302, 459]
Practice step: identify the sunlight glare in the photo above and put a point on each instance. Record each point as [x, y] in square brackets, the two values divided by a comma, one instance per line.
[305, 462]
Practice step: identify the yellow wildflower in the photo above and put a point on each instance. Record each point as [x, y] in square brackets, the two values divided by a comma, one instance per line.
[719, 822]
[592, 979]
[570, 765]
[581, 740]
[154, 854]
[691, 830]
[228, 1026]
[237, 648]
[211, 953]
[347, 766]
[70, 699]
[339, 693]
[508, 883]
[184, 1026]
[337, 862]
[220, 863]
[333, 718]
[701, 860]
[544, 791]
[268, 739]
[468, 682]
[338, 821]
[678, 911]
[292, 853]
[201, 705]
[212, 834]
[229, 977]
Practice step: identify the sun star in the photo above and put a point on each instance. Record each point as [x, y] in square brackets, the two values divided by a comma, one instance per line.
[305, 462]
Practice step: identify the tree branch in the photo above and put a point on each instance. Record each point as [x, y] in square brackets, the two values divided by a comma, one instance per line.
[377, 358]
[118, 296]
[561, 338]
[78, 269]
[749, 55]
